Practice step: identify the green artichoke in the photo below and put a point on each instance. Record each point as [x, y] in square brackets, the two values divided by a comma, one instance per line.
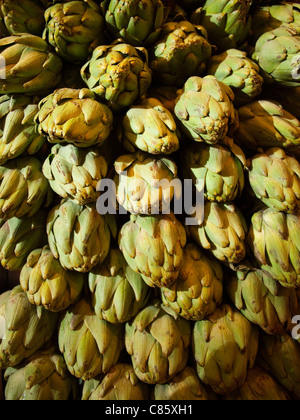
[225, 346]
[277, 53]
[118, 74]
[47, 283]
[150, 127]
[136, 22]
[74, 29]
[145, 184]
[273, 239]
[119, 384]
[117, 292]
[198, 291]
[42, 377]
[158, 344]
[153, 247]
[212, 121]
[74, 116]
[18, 237]
[18, 131]
[90, 345]
[24, 328]
[239, 72]
[265, 124]
[181, 52]
[219, 168]
[262, 300]
[223, 232]
[275, 179]
[78, 235]
[75, 172]
[30, 66]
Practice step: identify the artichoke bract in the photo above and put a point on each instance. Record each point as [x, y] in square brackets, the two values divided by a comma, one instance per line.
[119, 384]
[146, 184]
[220, 167]
[153, 247]
[239, 72]
[273, 239]
[47, 283]
[74, 29]
[42, 377]
[30, 66]
[117, 292]
[212, 121]
[198, 291]
[181, 52]
[78, 235]
[225, 346]
[118, 74]
[158, 344]
[90, 345]
[150, 127]
[74, 116]
[275, 179]
[75, 172]
[223, 232]
[136, 22]
[24, 328]
[23, 188]
[262, 300]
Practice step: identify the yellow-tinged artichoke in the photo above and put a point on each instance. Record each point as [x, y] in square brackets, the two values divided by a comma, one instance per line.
[150, 127]
[158, 344]
[24, 328]
[90, 345]
[47, 283]
[74, 116]
[225, 346]
[146, 184]
[198, 291]
[119, 384]
[153, 247]
[78, 235]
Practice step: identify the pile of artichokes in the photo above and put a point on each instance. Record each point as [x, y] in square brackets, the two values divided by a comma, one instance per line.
[137, 303]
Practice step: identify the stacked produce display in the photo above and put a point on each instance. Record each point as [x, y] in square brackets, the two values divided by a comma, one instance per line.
[137, 302]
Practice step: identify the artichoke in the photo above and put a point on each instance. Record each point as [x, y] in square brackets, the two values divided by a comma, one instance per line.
[74, 29]
[75, 172]
[223, 232]
[275, 179]
[262, 300]
[117, 292]
[198, 290]
[23, 188]
[273, 239]
[287, 97]
[136, 22]
[153, 247]
[47, 283]
[146, 184]
[225, 346]
[239, 72]
[181, 52]
[42, 377]
[220, 168]
[74, 116]
[30, 67]
[150, 127]
[158, 344]
[90, 345]
[78, 235]
[119, 384]
[212, 121]
[24, 328]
